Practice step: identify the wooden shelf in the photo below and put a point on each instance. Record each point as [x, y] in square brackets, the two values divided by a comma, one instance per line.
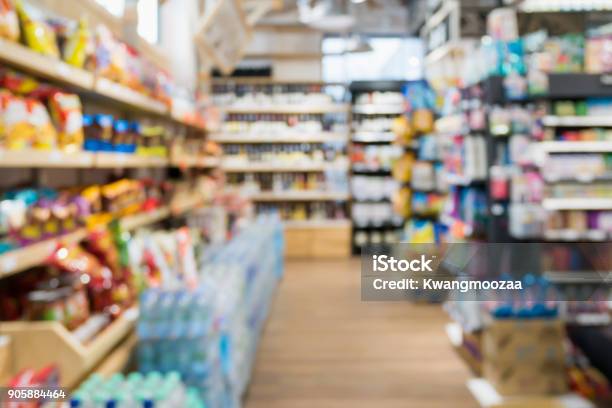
[583, 203]
[288, 109]
[45, 159]
[129, 97]
[35, 344]
[50, 68]
[313, 224]
[488, 397]
[53, 69]
[300, 196]
[118, 359]
[184, 161]
[322, 137]
[454, 333]
[269, 167]
[577, 121]
[576, 147]
[122, 160]
[35, 254]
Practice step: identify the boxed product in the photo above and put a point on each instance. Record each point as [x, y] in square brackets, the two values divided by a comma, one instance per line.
[525, 357]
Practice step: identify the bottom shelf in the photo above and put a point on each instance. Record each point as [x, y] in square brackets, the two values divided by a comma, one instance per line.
[318, 239]
[488, 397]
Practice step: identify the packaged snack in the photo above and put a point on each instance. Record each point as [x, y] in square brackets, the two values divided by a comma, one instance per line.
[19, 132]
[121, 136]
[77, 44]
[67, 114]
[45, 135]
[98, 132]
[38, 35]
[402, 168]
[101, 243]
[9, 23]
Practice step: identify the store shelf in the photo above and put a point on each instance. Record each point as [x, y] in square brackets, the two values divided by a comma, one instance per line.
[577, 121]
[118, 359]
[378, 109]
[280, 167]
[129, 97]
[288, 109]
[488, 397]
[303, 224]
[35, 344]
[577, 203]
[572, 235]
[373, 137]
[576, 147]
[45, 159]
[300, 196]
[122, 160]
[185, 161]
[459, 180]
[289, 137]
[146, 218]
[586, 277]
[50, 68]
[32, 255]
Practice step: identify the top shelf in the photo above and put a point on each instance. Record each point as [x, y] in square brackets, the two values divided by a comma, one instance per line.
[289, 109]
[55, 70]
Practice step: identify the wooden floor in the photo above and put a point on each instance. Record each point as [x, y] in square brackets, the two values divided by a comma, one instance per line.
[323, 347]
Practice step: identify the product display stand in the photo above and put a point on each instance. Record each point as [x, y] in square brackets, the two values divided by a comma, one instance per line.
[261, 136]
[372, 137]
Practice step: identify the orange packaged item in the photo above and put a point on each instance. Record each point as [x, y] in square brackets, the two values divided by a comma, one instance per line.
[68, 116]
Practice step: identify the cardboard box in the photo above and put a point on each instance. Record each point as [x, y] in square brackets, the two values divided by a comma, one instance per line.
[525, 357]
[6, 366]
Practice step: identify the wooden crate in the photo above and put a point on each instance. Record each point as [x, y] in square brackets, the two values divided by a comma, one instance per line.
[36, 344]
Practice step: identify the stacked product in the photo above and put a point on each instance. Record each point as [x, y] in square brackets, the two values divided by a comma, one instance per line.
[216, 321]
[376, 106]
[76, 43]
[284, 146]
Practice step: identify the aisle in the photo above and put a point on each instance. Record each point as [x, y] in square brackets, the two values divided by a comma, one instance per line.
[323, 347]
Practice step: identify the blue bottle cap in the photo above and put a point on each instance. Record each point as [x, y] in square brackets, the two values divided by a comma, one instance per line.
[88, 120]
[104, 120]
[121, 125]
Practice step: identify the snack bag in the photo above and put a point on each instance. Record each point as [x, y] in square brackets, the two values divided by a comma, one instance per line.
[37, 35]
[77, 44]
[45, 136]
[101, 243]
[68, 116]
[9, 24]
[19, 132]
[401, 202]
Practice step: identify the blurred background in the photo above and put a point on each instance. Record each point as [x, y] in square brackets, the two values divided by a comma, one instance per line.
[186, 187]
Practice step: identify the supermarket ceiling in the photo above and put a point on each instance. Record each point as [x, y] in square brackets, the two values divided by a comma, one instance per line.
[372, 16]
